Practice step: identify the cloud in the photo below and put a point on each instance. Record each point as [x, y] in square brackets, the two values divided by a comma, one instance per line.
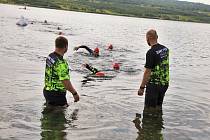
[200, 1]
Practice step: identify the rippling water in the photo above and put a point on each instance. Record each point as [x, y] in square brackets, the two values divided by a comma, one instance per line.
[109, 107]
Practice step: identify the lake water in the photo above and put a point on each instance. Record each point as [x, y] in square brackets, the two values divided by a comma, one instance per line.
[109, 106]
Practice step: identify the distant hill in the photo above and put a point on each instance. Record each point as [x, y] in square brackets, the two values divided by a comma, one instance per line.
[158, 9]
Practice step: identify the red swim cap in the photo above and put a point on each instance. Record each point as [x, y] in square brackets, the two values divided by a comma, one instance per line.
[116, 66]
[96, 50]
[100, 74]
[110, 47]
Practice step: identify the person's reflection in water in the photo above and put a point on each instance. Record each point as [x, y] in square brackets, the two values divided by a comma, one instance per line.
[54, 122]
[151, 126]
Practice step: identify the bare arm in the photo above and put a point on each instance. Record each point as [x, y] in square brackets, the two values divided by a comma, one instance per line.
[67, 84]
[146, 77]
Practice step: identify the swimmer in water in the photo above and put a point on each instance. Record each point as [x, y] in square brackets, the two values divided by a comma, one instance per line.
[94, 71]
[110, 47]
[94, 52]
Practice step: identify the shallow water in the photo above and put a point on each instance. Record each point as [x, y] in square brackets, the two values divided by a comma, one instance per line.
[109, 106]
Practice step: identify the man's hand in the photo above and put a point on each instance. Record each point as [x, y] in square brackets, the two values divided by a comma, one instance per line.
[141, 92]
[68, 86]
[146, 77]
[76, 97]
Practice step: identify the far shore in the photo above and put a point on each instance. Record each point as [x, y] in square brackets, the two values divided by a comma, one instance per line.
[104, 13]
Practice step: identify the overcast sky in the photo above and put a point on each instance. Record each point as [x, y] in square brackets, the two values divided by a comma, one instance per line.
[201, 1]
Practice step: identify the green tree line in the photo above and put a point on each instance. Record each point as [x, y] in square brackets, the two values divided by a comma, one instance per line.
[158, 9]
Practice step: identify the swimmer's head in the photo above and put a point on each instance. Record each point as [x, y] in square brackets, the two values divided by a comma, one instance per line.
[110, 47]
[116, 66]
[96, 51]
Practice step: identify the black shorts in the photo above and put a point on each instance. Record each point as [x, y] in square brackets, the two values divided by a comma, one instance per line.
[55, 98]
[154, 95]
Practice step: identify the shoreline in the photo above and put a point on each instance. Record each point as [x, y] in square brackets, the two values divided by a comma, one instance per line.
[101, 13]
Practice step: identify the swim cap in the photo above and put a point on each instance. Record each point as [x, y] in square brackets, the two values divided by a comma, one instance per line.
[100, 74]
[110, 47]
[96, 50]
[116, 66]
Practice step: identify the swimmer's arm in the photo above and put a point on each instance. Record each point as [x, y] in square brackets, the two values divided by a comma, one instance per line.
[85, 47]
[68, 86]
[92, 69]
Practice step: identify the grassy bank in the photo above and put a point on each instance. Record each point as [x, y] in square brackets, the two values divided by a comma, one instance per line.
[158, 9]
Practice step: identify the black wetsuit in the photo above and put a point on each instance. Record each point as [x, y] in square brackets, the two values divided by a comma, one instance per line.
[87, 48]
[92, 69]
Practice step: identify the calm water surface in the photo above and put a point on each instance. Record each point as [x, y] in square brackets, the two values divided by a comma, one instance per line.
[109, 108]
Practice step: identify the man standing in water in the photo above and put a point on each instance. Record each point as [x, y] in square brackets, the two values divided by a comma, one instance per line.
[57, 79]
[156, 74]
